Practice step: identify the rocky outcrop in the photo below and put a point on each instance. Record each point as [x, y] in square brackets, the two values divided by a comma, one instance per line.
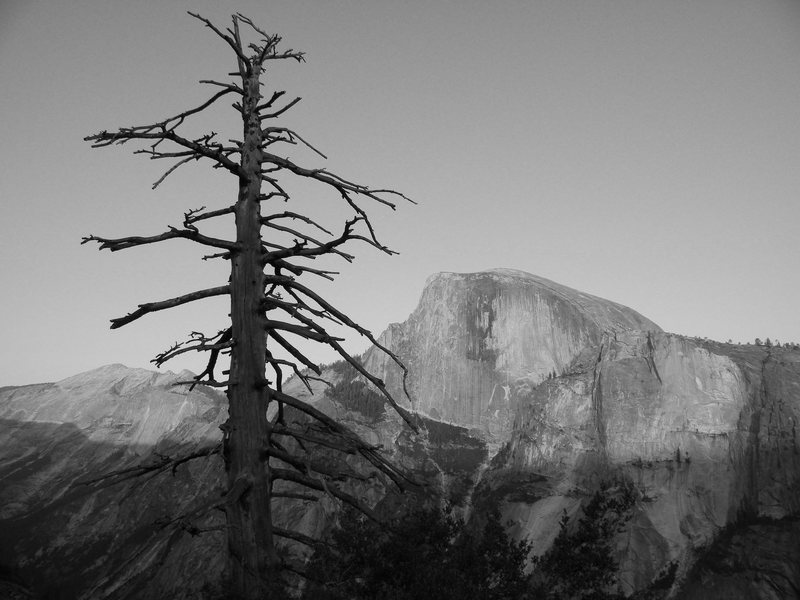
[475, 335]
[704, 431]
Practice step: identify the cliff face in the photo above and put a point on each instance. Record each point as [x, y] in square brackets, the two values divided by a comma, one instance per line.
[705, 434]
[476, 335]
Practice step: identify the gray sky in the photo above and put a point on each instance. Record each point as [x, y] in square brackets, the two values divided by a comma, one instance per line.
[643, 151]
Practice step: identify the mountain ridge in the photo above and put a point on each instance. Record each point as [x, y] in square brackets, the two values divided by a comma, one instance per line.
[536, 395]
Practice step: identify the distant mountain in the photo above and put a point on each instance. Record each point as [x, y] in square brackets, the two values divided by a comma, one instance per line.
[144, 533]
[533, 396]
[66, 539]
[573, 392]
[474, 336]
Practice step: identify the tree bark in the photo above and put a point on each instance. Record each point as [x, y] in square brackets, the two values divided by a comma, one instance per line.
[252, 556]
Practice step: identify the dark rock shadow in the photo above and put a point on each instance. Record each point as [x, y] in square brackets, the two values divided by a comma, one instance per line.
[65, 537]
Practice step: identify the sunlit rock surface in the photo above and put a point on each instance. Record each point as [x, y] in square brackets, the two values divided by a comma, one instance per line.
[575, 392]
[476, 335]
[704, 431]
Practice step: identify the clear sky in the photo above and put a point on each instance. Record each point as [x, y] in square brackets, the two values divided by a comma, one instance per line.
[643, 151]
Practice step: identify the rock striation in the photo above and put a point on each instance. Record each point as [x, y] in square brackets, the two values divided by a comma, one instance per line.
[575, 393]
[704, 432]
[475, 336]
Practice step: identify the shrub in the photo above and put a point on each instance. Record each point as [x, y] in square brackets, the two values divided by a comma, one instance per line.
[428, 555]
[580, 564]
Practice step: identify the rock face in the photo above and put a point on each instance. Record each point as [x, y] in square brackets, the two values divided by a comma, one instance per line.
[533, 396]
[67, 539]
[476, 335]
[753, 562]
[705, 432]
[147, 533]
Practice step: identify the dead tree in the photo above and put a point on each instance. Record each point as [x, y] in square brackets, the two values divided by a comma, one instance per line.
[274, 311]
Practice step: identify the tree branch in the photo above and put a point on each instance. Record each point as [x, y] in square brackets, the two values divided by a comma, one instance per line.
[317, 484]
[286, 345]
[236, 47]
[296, 496]
[202, 344]
[307, 466]
[297, 537]
[292, 137]
[346, 446]
[193, 216]
[279, 112]
[288, 282]
[304, 332]
[151, 307]
[333, 180]
[293, 215]
[371, 453]
[164, 131]
[268, 104]
[159, 466]
[129, 242]
[228, 86]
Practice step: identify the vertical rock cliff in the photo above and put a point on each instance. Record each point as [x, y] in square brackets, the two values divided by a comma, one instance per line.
[474, 336]
[703, 432]
[575, 393]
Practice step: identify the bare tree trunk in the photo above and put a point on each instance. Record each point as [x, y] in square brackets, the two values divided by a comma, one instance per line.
[299, 311]
[251, 550]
